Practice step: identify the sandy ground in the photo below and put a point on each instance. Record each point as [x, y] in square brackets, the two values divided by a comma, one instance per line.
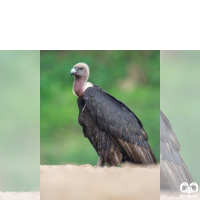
[19, 195]
[94, 183]
[71, 182]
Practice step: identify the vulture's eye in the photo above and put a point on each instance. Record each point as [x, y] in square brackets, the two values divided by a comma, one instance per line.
[81, 68]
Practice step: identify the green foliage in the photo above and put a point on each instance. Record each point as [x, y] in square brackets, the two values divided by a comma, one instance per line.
[131, 76]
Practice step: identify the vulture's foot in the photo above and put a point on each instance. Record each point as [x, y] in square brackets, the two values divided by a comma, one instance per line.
[100, 162]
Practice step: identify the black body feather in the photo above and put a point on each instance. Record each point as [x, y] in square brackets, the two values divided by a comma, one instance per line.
[173, 170]
[113, 129]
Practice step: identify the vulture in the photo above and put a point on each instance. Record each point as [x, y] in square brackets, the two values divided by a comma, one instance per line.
[112, 128]
[173, 171]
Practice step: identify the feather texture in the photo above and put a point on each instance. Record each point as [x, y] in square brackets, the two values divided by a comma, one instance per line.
[173, 170]
[113, 129]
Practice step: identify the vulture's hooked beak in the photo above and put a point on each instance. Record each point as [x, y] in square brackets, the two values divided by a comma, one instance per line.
[74, 70]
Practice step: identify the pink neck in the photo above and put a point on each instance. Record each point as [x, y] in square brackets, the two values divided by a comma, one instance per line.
[79, 86]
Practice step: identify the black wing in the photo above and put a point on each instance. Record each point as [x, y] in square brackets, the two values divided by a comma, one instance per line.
[173, 170]
[120, 124]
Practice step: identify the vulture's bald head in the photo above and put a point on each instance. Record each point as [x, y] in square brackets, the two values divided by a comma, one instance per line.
[81, 73]
[80, 70]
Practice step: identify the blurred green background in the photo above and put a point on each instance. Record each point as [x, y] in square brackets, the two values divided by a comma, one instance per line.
[180, 102]
[131, 76]
[19, 121]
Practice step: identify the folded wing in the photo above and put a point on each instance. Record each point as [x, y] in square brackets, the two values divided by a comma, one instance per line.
[118, 122]
[173, 170]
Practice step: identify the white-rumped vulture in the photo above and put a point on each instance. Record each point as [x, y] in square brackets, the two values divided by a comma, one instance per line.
[111, 127]
[173, 171]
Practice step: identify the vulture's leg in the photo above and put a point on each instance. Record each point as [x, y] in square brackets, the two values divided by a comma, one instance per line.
[100, 162]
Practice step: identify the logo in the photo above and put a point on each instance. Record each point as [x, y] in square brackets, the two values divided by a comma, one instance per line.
[189, 190]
